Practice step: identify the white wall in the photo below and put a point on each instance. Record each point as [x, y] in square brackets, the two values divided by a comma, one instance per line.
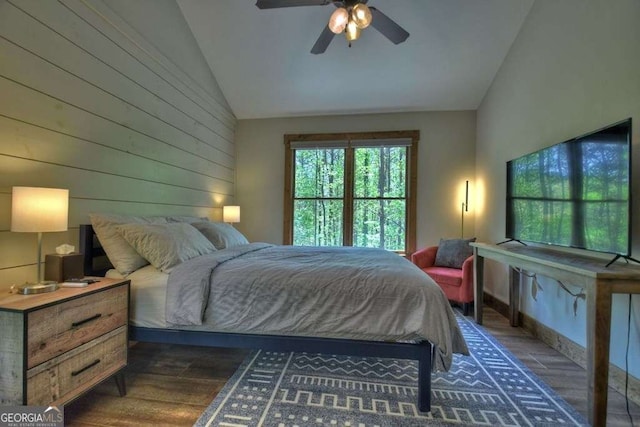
[446, 157]
[88, 103]
[573, 68]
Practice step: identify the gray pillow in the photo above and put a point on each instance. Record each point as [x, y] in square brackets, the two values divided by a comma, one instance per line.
[220, 234]
[453, 252]
[166, 245]
[124, 258]
[188, 219]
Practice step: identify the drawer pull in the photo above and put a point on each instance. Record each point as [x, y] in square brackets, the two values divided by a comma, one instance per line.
[88, 319]
[90, 365]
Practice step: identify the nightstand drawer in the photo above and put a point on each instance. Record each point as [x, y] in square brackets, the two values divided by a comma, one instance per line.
[78, 370]
[61, 327]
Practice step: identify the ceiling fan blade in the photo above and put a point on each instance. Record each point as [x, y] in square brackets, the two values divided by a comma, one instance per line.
[323, 41]
[347, 3]
[387, 26]
[272, 4]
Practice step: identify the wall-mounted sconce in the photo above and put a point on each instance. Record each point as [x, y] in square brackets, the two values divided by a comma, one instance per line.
[465, 208]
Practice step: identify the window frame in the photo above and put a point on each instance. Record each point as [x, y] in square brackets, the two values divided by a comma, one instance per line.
[411, 180]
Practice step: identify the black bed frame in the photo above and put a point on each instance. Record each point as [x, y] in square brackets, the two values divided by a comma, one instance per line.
[422, 352]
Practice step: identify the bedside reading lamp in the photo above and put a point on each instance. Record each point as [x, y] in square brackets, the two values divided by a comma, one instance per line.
[231, 214]
[39, 210]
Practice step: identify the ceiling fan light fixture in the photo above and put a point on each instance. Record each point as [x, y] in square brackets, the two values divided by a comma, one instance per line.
[352, 31]
[361, 15]
[349, 17]
[338, 20]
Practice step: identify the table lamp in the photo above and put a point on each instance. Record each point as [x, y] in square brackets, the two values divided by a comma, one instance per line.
[39, 210]
[231, 214]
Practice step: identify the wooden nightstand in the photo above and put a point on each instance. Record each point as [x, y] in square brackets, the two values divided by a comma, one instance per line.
[56, 346]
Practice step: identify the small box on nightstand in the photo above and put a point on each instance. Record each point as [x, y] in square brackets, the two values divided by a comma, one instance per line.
[60, 267]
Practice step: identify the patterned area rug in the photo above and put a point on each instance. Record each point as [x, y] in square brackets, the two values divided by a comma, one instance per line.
[491, 387]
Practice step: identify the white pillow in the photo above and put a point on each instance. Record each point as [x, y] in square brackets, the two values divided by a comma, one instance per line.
[166, 245]
[220, 234]
[124, 258]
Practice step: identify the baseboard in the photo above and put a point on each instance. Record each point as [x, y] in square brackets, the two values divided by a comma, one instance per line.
[567, 347]
[496, 304]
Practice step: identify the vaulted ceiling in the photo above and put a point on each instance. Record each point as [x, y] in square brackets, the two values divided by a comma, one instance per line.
[262, 61]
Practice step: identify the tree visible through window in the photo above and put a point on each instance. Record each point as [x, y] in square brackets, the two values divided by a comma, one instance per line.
[351, 189]
[379, 199]
[319, 192]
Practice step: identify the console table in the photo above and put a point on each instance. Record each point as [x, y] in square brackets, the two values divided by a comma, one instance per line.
[599, 283]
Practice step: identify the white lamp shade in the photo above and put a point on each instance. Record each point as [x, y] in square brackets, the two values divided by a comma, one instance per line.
[35, 209]
[231, 213]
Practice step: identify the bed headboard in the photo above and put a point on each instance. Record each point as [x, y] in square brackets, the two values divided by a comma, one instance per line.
[94, 259]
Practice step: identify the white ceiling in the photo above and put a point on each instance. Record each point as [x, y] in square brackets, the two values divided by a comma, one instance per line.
[262, 62]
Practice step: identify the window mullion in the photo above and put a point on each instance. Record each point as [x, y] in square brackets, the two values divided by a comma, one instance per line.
[289, 173]
[347, 227]
[411, 192]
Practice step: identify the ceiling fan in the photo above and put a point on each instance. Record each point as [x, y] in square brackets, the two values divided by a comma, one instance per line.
[350, 17]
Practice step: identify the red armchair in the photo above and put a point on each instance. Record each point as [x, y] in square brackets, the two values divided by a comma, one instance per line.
[457, 284]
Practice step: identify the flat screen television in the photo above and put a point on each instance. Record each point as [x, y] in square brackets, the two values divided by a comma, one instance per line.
[575, 194]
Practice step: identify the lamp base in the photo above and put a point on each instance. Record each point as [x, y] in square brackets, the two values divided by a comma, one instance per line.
[37, 288]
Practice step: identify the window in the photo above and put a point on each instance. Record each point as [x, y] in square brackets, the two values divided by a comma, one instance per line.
[355, 189]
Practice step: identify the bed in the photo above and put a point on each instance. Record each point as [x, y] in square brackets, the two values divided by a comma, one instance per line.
[315, 316]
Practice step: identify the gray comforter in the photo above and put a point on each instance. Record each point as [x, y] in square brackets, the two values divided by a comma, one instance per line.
[338, 292]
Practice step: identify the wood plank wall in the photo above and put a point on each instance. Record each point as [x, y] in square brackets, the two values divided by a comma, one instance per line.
[86, 103]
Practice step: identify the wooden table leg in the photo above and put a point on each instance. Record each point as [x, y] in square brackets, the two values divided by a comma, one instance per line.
[478, 285]
[598, 340]
[514, 296]
[120, 383]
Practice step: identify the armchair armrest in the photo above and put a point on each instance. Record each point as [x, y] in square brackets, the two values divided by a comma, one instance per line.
[425, 257]
[466, 289]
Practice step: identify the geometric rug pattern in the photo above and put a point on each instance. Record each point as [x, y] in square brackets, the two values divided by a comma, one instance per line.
[490, 387]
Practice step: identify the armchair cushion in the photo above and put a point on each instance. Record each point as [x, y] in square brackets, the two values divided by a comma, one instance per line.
[445, 275]
[453, 252]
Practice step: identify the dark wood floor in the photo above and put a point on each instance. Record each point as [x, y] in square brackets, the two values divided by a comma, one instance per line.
[172, 385]
[567, 378]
